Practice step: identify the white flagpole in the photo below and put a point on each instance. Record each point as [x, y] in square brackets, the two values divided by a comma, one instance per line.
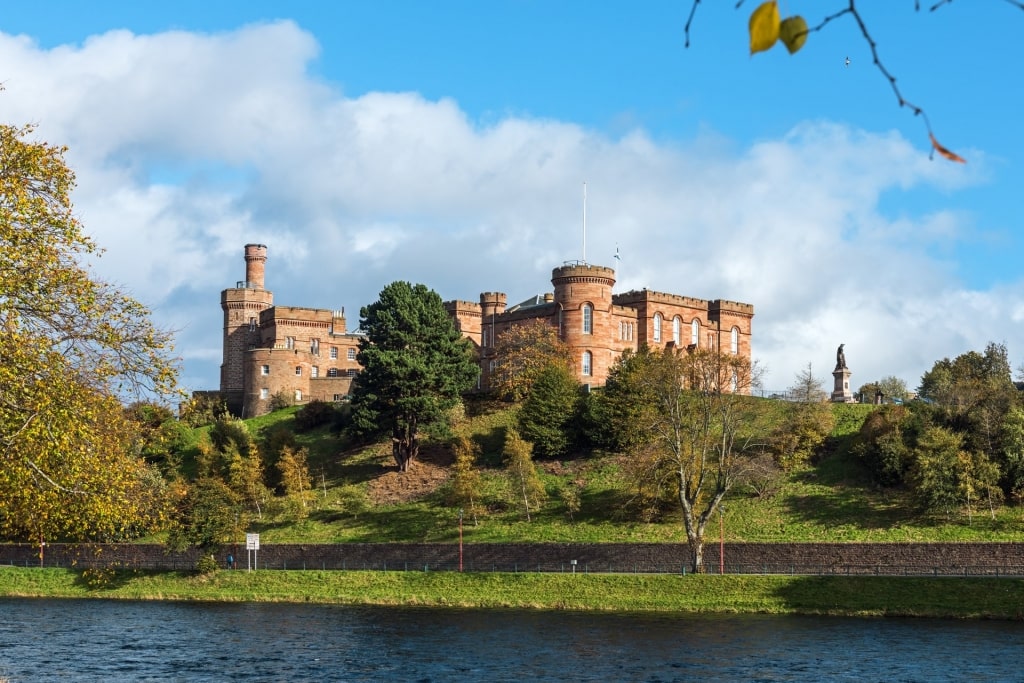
[584, 221]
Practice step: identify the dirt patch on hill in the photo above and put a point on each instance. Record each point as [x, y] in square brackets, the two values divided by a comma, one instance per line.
[426, 474]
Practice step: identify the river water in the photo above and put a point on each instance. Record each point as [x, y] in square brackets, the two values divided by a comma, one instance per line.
[97, 640]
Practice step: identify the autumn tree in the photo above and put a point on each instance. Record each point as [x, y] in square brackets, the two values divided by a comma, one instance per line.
[466, 482]
[415, 367]
[525, 483]
[522, 352]
[206, 517]
[298, 485]
[701, 429]
[71, 346]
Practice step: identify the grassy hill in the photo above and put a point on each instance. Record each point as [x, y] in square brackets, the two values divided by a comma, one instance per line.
[361, 498]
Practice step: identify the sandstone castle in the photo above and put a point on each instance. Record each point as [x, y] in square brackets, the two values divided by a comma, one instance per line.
[307, 353]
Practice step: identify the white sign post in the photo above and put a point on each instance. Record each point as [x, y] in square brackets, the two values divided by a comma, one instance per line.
[252, 542]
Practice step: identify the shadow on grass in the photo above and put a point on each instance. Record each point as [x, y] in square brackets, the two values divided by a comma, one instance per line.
[105, 578]
[974, 597]
[408, 525]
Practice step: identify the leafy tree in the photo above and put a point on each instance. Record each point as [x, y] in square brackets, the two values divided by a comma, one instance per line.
[203, 408]
[615, 419]
[70, 345]
[700, 429]
[466, 481]
[547, 415]
[206, 517]
[295, 479]
[808, 421]
[245, 477]
[882, 445]
[522, 473]
[522, 353]
[934, 475]
[891, 388]
[415, 367]
[315, 414]
[974, 392]
[1012, 456]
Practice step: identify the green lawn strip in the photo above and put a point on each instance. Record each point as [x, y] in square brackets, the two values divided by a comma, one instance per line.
[859, 596]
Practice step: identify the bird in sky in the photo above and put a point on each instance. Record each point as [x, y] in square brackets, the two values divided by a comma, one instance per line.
[847, 61]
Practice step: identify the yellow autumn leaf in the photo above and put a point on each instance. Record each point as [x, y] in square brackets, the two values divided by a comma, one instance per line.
[793, 33]
[764, 26]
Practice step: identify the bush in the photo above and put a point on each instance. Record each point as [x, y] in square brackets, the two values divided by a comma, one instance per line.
[207, 564]
[314, 414]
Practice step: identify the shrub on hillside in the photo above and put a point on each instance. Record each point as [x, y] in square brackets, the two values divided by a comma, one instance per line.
[314, 414]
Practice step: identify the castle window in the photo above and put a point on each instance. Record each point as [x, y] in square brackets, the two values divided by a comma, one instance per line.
[298, 394]
[252, 324]
[351, 372]
[695, 332]
[332, 372]
[486, 338]
[588, 319]
[315, 371]
[657, 327]
[314, 347]
[588, 363]
[264, 369]
[351, 354]
[289, 342]
[334, 353]
[264, 394]
[734, 341]
[677, 330]
[298, 371]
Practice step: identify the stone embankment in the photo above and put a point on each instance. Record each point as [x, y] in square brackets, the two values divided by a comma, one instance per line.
[883, 559]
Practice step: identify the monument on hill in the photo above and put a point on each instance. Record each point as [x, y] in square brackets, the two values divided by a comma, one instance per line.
[841, 391]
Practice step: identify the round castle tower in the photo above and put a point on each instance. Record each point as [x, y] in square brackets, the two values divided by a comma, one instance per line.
[583, 293]
[255, 262]
[242, 305]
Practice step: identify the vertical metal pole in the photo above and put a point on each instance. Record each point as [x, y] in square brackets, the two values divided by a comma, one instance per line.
[721, 540]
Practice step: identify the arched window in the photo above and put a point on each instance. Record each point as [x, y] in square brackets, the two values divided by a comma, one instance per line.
[657, 327]
[677, 330]
[588, 319]
[588, 364]
[695, 332]
[734, 341]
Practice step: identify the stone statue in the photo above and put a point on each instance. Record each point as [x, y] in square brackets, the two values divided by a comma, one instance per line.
[840, 358]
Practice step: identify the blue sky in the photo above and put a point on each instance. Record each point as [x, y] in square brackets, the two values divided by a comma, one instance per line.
[447, 143]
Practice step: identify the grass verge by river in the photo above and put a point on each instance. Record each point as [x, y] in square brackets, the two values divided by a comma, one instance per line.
[966, 598]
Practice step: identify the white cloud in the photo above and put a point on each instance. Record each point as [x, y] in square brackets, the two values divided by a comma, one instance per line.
[188, 146]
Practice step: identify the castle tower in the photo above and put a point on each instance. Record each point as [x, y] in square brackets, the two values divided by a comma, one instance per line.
[255, 262]
[583, 294]
[242, 305]
[492, 304]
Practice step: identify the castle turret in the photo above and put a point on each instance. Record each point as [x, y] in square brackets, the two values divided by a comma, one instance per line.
[583, 293]
[255, 261]
[242, 305]
[492, 304]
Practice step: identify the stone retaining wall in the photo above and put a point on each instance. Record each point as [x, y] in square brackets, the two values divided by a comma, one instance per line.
[941, 559]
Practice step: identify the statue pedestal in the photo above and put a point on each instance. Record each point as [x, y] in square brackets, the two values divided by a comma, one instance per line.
[841, 392]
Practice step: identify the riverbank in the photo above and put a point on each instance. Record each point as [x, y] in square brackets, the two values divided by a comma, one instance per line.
[961, 598]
